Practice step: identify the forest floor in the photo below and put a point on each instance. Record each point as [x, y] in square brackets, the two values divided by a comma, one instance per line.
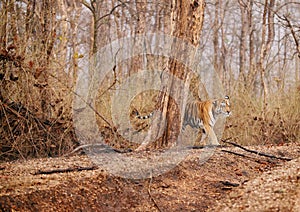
[226, 182]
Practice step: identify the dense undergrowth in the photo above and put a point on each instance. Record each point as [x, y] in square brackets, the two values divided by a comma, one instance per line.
[24, 134]
[279, 123]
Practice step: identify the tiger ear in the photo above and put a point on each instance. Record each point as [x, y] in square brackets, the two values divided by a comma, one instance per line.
[226, 97]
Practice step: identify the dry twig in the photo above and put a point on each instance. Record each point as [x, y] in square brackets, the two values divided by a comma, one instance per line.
[75, 169]
[105, 147]
[248, 157]
[256, 152]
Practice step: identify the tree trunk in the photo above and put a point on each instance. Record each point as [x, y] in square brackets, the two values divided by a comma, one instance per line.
[48, 31]
[216, 37]
[267, 23]
[181, 19]
[188, 21]
[243, 42]
[268, 15]
[252, 68]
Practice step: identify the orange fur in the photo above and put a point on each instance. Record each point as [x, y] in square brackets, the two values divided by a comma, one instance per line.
[202, 115]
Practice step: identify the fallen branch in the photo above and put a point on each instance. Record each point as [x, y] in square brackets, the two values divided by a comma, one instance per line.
[245, 156]
[235, 153]
[75, 169]
[206, 146]
[256, 152]
[105, 147]
[195, 147]
[227, 183]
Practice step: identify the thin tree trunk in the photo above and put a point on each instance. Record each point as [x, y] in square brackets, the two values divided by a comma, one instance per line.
[267, 23]
[243, 42]
[263, 52]
[216, 36]
[252, 69]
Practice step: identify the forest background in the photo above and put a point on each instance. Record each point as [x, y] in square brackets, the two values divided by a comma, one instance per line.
[252, 45]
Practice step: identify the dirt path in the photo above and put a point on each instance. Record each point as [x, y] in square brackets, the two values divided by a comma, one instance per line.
[226, 182]
[275, 190]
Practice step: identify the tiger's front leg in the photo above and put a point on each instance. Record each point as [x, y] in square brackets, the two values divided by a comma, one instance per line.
[213, 140]
[201, 137]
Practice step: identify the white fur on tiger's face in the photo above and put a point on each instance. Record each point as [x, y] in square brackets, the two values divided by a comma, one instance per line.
[223, 106]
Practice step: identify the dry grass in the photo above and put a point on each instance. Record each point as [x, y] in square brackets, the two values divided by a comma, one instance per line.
[279, 124]
[25, 130]
[26, 133]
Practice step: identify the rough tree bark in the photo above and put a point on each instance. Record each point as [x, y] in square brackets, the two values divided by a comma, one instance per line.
[187, 18]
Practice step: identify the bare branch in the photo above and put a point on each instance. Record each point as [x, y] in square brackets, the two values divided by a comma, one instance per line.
[104, 146]
[256, 152]
[75, 169]
[111, 12]
[293, 34]
[89, 6]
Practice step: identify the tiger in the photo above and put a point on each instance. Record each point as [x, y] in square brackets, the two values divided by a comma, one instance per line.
[202, 115]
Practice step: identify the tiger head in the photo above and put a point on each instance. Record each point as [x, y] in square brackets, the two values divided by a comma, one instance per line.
[222, 106]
